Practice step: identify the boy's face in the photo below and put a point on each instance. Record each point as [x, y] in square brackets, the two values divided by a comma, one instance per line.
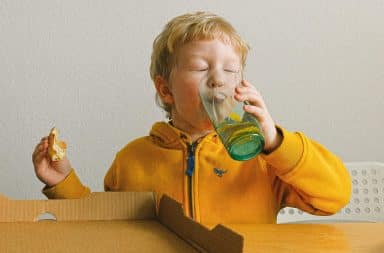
[196, 60]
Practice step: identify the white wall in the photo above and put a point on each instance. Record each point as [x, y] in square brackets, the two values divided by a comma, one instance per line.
[82, 66]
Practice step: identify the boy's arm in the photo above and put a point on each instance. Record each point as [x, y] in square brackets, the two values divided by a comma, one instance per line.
[309, 177]
[110, 177]
[70, 188]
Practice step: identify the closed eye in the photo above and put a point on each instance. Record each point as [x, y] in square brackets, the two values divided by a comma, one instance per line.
[200, 69]
[232, 70]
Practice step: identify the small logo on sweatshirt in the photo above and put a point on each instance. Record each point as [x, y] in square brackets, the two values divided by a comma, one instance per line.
[219, 172]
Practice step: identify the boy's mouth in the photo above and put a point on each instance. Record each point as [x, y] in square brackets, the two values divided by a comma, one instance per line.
[219, 97]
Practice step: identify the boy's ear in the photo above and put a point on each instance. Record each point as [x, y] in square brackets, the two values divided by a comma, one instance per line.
[163, 90]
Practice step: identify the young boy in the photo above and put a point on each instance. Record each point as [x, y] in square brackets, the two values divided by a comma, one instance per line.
[292, 170]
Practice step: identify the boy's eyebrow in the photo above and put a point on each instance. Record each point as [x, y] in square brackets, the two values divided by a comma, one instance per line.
[195, 55]
[201, 56]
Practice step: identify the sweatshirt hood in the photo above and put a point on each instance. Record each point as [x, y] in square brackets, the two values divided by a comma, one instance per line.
[168, 136]
[165, 135]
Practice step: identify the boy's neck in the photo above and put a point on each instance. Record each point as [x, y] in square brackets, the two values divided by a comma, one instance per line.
[193, 133]
[195, 137]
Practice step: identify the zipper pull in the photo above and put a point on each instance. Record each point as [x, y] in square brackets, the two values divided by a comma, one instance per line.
[191, 159]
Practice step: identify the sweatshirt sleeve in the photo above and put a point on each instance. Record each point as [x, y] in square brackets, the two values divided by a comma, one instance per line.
[309, 176]
[70, 188]
[110, 179]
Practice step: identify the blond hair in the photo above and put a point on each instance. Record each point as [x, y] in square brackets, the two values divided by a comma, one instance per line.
[186, 28]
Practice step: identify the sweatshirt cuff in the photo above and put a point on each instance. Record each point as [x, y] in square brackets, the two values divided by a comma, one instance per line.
[70, 188]
[288, 154]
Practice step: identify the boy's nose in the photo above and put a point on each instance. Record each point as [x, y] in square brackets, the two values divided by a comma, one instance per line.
[215, 83]
[216, 80]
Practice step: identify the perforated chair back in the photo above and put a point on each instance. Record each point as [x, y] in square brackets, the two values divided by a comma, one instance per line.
[366, 204]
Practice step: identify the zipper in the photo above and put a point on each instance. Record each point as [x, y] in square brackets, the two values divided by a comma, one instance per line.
[190, 170]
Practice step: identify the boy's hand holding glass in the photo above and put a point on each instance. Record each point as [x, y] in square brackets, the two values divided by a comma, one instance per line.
[238, 130]
[258, 109]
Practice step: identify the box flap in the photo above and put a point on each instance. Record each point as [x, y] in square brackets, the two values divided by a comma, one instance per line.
[219, 239]
[96, 206]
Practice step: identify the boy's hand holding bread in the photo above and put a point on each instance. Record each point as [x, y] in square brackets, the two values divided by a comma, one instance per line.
[49, 159]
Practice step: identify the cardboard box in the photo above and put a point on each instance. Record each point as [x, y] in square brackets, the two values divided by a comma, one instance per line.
[107, 222]
[128, 222]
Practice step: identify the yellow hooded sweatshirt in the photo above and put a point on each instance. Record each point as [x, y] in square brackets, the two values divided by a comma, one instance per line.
[213, 188]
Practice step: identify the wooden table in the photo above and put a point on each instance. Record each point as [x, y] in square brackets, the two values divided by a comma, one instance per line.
[312, 238]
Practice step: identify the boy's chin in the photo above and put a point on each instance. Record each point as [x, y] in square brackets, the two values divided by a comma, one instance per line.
[207, 126]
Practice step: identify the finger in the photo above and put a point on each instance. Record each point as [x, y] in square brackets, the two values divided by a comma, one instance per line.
[36, 150]
[259, 113]
[252, 96]
[40, 147]
[44, 140]
[247, 87]
[245, 83]
[45, 144]
[38, 157]
[256, 99]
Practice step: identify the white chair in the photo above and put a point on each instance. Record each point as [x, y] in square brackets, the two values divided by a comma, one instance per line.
[366, 204]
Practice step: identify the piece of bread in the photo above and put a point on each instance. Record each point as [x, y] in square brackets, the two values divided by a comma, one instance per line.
[56, 148]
